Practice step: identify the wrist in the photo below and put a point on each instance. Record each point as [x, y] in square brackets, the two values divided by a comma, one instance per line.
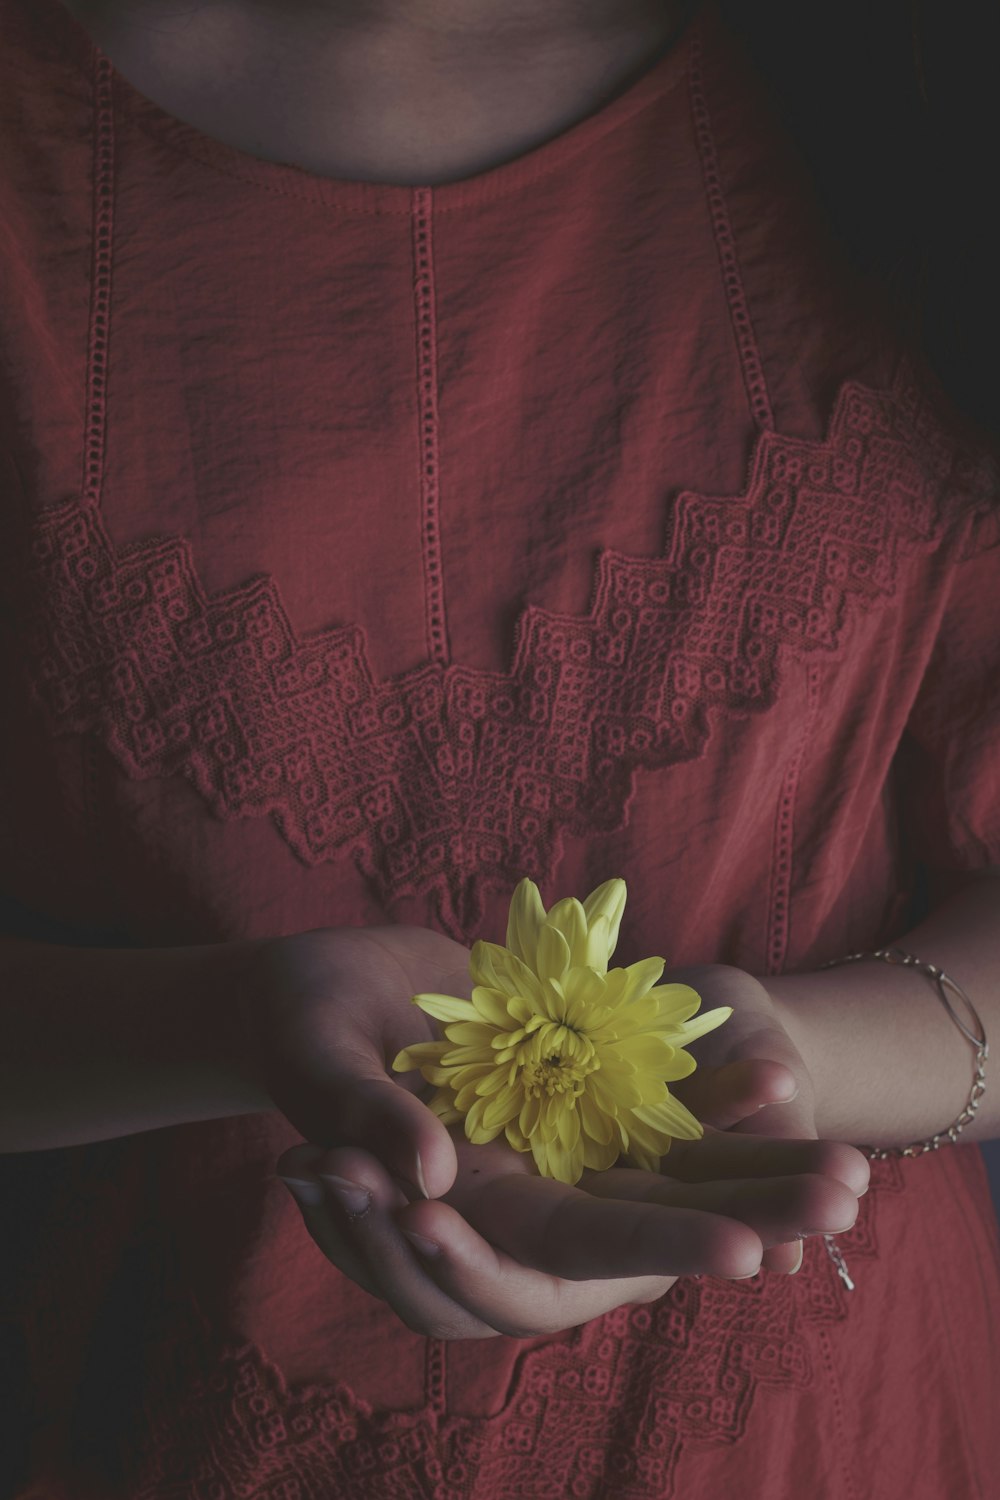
[890, 1067]
[243, 981]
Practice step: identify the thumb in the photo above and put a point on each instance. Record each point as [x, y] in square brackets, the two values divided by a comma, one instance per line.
[793, 1119]
[353, 1102]
[734, 1092]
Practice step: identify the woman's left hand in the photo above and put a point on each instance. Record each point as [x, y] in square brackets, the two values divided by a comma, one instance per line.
[753, 1031]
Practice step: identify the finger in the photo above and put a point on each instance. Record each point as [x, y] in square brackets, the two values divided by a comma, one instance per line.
[730, 1153]
[576, 1236]
[294, 1169]
[349, 1100]
[359, 1207]
[794, 1119]
[835, 1159]
[778, 1209]
[514, 1299]
[724, 1096]
[633, 1223]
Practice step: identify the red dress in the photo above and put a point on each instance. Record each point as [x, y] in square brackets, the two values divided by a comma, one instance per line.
[368, 547]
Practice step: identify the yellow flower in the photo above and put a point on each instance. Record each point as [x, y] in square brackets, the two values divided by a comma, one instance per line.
[568, 1059]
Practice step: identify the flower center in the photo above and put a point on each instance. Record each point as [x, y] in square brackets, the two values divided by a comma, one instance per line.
[555, 1059]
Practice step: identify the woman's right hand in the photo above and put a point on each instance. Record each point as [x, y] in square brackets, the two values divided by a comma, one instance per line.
[512, 1253]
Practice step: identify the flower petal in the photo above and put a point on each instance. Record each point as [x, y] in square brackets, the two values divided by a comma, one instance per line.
[445, 1110]
[499, 969]
[647, 1052]
[528, 1118]
[608, 901]
[502, 1109]
[524, 921]
[568, 1125]
[599, 1155]
[707, 1022]
[672, 1117]
[553, 1160]
[553, 953]
[472, 1033]
[675, 1002]
[445, 1007]
[568, 918]
[466, 1094]
[458, 1057]
[576, 1164]
[603, 1094]
[515, 1138]
[440, 1077]
[482, 966]
[682, 1064]
[492, 1082]
[584, 989]
[492, 1006]
[417, 1055]
[643, 1160]
[597, 1124]
[645, 1137]
[476, 1128]
[598, 947]
[640, 977]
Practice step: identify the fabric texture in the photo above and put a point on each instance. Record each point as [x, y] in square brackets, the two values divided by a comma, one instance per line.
[366, 548]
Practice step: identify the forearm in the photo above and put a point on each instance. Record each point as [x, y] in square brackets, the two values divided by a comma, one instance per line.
[889, 1064]
[100, 1043]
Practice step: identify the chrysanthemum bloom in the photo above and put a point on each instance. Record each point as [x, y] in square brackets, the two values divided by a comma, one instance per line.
[569, 1060]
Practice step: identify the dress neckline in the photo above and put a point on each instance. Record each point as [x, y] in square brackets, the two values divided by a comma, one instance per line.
[68, 38]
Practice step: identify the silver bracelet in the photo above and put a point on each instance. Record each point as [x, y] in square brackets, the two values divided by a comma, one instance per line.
[943, 984]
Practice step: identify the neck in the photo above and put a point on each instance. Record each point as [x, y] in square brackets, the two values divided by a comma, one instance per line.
[473, 18]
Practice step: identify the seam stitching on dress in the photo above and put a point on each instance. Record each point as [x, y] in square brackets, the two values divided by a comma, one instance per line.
[779, 899]
[722, 228]
[844, 1447]
[430, 510]
[957, 1365]
[100, 298]
[435, 1377]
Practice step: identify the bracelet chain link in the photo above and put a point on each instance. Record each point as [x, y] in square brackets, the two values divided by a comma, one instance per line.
[943, 983]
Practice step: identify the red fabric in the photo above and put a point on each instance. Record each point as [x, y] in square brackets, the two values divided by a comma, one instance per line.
[367, 548]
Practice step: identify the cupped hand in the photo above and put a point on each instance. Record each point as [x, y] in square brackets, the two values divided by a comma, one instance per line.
[328, 1008]
[507, 1251]
[512, 1252]
[755, 1037]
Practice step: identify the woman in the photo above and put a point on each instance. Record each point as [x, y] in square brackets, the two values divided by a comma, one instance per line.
[444, 444]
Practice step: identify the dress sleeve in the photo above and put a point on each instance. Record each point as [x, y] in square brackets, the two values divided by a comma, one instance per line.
[948, 762]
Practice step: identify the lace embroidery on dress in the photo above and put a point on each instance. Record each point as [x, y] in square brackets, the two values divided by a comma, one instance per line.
[447, 778]
[604, 1414]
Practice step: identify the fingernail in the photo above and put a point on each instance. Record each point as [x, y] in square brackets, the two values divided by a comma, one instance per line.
[353, 1199]
[798, 1264]
[769, 1102]
[421, 1182]
[422, 1245]
[309, 1193]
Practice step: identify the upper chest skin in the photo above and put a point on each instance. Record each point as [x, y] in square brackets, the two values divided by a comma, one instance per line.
[375, 106]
